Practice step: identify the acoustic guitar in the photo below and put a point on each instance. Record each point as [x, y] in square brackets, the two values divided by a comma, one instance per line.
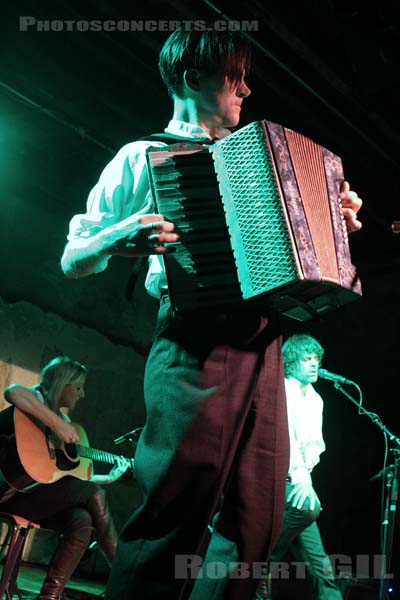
[35, 455]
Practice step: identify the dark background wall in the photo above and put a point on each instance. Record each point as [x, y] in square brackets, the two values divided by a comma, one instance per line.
[70, 99]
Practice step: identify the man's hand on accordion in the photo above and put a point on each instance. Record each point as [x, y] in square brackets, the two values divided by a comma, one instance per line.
[144, 236]
[351, 204]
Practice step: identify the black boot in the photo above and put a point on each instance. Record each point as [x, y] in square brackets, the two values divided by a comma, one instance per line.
[66, 559]
[103, 523]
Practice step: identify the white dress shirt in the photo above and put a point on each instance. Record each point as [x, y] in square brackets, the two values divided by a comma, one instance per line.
[305, 429]
[122, 196]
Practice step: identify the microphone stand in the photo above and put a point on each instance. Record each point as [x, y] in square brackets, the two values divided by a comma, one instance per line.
[372, 416]
[392, 482]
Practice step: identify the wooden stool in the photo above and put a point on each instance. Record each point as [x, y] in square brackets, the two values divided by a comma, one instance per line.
[17, 531]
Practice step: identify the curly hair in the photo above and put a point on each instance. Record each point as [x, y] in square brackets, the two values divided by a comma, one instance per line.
[212, 52]
[58, 373]
[296, 347]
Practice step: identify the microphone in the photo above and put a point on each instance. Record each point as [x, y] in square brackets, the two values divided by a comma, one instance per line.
[395, 226]
[130, 436]
[324, 374]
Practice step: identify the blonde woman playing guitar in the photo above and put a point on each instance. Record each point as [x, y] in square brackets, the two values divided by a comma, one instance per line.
[76, 505]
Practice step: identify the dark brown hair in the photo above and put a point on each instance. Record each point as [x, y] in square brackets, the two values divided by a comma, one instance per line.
[296, 348]
[211, 52]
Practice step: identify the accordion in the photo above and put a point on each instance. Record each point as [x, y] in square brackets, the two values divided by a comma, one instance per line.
[259, 220]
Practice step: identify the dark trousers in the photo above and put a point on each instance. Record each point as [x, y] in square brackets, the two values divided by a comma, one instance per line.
[61, 505]
[216, 424]
[301, 537]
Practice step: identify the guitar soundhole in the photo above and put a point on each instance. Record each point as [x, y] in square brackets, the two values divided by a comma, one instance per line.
[71, 450]
[66, 458]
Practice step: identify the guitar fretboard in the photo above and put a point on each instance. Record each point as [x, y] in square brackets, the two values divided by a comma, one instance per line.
[94, 454]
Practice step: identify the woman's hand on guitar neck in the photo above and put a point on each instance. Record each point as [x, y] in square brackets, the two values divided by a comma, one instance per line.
[120, 467]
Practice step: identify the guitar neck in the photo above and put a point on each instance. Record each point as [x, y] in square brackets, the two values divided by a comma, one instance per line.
[99, 455]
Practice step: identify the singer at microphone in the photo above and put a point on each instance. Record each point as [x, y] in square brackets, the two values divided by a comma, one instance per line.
[302, 355]
[130, 436]
[324, 374]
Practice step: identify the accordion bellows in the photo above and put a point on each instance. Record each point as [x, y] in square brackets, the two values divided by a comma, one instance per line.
[259, 221]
